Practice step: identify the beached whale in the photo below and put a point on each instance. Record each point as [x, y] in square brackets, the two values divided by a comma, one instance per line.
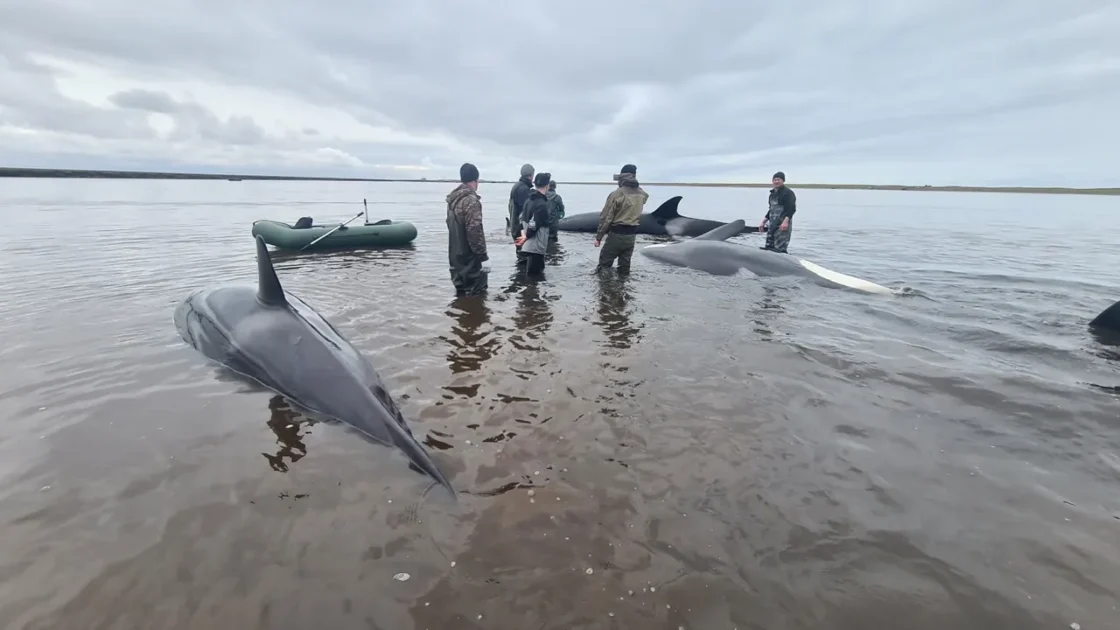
[711, 253]
[273, 337]
[665, 220]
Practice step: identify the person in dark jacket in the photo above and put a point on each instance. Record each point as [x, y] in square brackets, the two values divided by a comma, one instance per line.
[537, 224]
[778, 222]
[555, 211]
[518, 194]
[467, 259]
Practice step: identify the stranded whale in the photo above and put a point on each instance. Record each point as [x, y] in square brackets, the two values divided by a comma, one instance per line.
[276, 339]
[664, 220]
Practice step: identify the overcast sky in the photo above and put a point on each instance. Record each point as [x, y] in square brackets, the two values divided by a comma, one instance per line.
[853, 91]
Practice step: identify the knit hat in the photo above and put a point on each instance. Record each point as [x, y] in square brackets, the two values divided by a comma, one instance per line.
[629, 168]
[468, 173]
[542, 179]
[552, 185]
[779, 175]
[527, 170]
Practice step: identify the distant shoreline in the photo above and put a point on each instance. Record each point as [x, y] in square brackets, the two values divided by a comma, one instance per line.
[96, 174]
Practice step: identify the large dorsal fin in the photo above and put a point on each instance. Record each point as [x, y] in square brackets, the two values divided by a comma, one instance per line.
[668, 210]
[1108, 319]
[269, 290]
[723, 232]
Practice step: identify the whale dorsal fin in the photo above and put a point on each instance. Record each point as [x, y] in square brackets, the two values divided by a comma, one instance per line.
[1108, 319]
[723, 232]
[269, 290]
[668, 210]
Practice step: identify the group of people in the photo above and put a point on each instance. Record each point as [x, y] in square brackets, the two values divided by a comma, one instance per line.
[535, 209]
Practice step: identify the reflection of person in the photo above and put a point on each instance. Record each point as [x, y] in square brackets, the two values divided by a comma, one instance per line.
[531, 317]
[614, 318]
[472, 343]
[284, 424]
[535, 219]
[620, 217]
[466, 241]
[778, 222]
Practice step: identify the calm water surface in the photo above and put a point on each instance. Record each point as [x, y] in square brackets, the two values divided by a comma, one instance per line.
[674, 450]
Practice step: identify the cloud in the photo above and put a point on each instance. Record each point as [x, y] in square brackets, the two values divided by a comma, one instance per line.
[922, 92]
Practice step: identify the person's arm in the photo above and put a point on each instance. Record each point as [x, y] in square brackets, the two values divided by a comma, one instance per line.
[523, 193]
[606, 216]
[537, 219]
[789, 205]
[476, 237]
[560, 203]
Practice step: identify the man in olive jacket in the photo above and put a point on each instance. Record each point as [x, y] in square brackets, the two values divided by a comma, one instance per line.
[466, 241]
[620, 217]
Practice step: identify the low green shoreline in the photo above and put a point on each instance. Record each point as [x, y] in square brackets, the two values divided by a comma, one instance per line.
[91, 174]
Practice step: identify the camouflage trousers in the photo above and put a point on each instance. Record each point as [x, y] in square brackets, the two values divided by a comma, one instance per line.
[620, 246]
[469, 279]
[777, 239]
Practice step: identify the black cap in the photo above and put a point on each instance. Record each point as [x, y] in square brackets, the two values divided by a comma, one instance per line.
[629, 168]
[779, 175]
[468, 173]
[542, 179]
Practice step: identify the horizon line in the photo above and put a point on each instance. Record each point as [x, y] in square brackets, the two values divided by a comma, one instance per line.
[63, 173]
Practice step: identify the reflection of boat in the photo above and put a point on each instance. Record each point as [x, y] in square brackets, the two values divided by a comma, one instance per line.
[386, 233]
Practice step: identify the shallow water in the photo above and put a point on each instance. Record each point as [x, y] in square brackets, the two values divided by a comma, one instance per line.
[702, 452]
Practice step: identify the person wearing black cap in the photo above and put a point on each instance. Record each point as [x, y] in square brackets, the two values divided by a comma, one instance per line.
[537, 224]
[466, 241]
[778, 222]
[518, 195]
[620, 217]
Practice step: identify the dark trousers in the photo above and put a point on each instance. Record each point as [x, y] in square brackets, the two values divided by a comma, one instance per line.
[777, 239]
[620, 246]
[534, 264]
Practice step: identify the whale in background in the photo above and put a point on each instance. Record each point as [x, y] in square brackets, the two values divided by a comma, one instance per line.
[712, 253]
[665, 220]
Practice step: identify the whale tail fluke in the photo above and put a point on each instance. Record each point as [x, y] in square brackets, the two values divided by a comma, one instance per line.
[723, 232]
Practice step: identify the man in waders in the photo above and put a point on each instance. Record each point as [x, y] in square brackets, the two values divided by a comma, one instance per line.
[466, 242]
[518, 195]
[537, 224]
[555, 211]
[619, 218]
[778, 222]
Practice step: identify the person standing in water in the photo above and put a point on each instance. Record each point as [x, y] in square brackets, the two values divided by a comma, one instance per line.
[555, 211]
[467, 259]
[619, 218]
[537, 224]
[518, 195]
[778, 222]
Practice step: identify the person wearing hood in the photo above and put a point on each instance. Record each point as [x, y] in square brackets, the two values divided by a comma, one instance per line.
[467, 259]
[778, 222]
[518, 195]
[555, 211]
[537, 224]
[619, 218]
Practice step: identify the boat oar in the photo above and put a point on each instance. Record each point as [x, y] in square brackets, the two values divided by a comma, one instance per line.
[340, 226]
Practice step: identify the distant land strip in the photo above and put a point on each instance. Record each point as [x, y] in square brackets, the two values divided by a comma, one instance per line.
[93, 174]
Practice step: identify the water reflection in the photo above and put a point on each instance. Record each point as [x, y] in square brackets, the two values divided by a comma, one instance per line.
[769, 311]
[342, 258]
[614, 313]
[473, 342]
[286, 424]
[532, 316]
[555, 254]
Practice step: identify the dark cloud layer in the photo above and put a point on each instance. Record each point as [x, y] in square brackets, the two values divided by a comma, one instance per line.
[921, 92]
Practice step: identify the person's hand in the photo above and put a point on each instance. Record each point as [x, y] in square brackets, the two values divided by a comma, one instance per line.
[596, 242]
[785, 225]
[520, 241]
[486, 266]
[762, 226]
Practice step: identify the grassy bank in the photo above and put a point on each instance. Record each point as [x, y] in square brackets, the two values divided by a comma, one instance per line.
[90, 174]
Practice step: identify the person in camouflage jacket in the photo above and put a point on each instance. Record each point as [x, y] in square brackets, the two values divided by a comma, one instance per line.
[467, 259]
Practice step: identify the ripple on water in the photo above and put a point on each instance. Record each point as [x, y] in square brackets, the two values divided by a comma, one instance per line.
[701, 452]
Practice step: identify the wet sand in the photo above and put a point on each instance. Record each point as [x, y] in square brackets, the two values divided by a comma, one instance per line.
[664, 451]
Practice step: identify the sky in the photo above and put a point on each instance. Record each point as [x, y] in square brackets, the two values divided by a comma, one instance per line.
[938, 92]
